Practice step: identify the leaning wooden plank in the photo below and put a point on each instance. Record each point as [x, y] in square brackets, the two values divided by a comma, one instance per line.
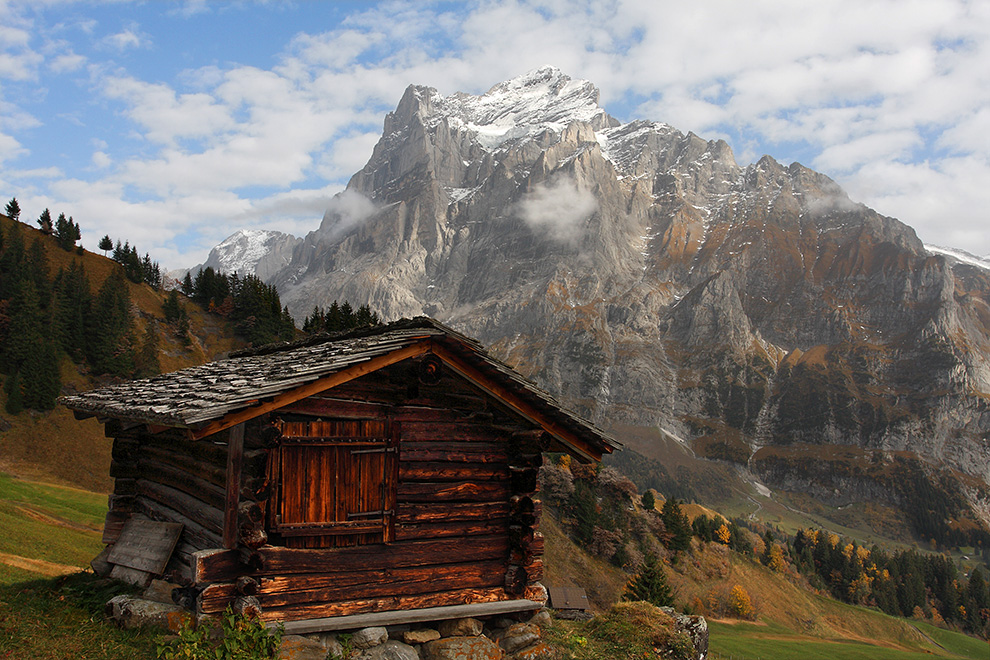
[361, 606]
[145, 545]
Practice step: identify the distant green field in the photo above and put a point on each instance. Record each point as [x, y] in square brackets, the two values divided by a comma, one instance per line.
[49, 523]
[744, 641]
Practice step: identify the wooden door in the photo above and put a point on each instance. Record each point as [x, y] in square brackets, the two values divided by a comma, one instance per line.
[336, 483]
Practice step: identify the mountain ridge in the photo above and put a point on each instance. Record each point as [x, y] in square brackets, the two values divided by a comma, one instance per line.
[646, 278]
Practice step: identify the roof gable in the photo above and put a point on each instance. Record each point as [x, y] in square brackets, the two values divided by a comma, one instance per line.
[220, 394]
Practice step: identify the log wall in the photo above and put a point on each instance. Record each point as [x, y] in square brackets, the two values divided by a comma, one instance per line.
[465, 518]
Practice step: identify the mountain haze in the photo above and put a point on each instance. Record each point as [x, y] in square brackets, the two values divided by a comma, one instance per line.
[754, 312]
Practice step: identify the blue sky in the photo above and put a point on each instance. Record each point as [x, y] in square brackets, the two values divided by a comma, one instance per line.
[173, 124]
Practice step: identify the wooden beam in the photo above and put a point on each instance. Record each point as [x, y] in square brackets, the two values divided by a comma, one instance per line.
[235, 456]
[310, 389]
[516, 403]
[355, 621]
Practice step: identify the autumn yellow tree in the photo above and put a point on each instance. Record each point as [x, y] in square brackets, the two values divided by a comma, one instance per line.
[740, 603]
[777, 562]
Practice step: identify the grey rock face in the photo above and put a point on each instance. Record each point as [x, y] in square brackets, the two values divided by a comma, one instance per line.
[647, 278]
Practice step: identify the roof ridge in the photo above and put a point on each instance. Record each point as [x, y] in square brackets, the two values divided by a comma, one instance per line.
[417, 322]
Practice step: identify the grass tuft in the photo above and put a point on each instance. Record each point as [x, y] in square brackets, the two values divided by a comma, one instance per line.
[63, 618]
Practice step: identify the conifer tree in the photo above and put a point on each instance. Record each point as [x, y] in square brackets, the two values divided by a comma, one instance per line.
[36, 267]
[12, 263]
[109, 343]
[287, 331]
[365, 316]
[315, 322]
[146, 361]
[25, 331]
[65, 232]
[43, 382]
[651, 585]
[334, 318]
[176, 316]
[71, 302]
[45, 222]
[187, 285]
[13, 209]
[106, 244]
[677, 524]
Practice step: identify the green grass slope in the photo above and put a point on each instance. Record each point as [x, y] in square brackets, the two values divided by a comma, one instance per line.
[47, 529]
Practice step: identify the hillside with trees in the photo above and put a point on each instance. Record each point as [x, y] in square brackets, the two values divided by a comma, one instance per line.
[662, 555]
[71, 320]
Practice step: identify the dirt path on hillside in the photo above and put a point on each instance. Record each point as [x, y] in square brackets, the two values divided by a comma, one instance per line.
[922, 633]
[41, 566]
[37, 515]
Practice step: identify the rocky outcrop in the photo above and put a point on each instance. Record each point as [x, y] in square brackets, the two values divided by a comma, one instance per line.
[647, 278]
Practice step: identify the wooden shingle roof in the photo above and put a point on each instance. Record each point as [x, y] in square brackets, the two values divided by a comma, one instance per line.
[201, 398]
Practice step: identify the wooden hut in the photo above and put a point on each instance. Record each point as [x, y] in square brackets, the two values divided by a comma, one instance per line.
[390, 470]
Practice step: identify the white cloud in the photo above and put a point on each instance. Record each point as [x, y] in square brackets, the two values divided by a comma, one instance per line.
[166, 116]
[345, 211]
[347, 156]
[101, 159]
[129, 38]
[38, 173]
[191, 8]
[67, 63]
[946, 202]
[17, 60]
[558, 208]
[9, 148]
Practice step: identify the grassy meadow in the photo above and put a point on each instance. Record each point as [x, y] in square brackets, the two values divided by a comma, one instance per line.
[48, 530]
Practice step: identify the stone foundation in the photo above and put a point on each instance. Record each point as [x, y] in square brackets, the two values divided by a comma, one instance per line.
[498, 638]
[511, 637]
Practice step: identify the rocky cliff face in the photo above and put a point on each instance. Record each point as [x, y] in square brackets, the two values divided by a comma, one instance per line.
[647, 278]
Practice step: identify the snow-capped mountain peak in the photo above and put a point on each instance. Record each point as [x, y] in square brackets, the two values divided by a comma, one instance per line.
[258, 252]
[543, 99]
